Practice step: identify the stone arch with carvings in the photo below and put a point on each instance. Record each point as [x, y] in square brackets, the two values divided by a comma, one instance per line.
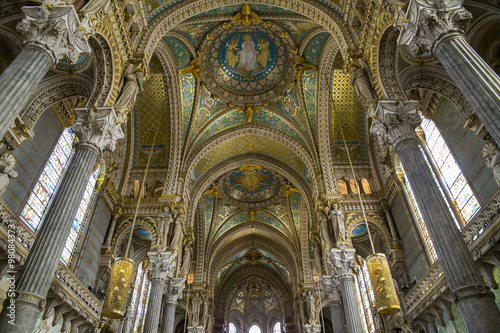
[182, 12]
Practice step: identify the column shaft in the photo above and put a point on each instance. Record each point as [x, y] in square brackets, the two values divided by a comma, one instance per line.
[442, 183]
[154, 306]
[338, 321]
[351, 309]
[109, 235]
[19, 81]
[168, 317]
[474, 300]
[479, 84]
[41, 264]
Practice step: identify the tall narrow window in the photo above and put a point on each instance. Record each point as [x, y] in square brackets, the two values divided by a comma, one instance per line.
[277, 327]
[232, 328]
[365, 298]
[80, 218]
[39, 199]
[254, 329]
[453, 177]
[418, 214]
[140, 297]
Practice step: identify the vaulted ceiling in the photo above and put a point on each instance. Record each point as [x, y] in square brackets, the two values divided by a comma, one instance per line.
[247, 105]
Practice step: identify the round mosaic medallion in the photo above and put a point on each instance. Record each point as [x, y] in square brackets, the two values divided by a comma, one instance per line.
[247, 63]
[251, 186]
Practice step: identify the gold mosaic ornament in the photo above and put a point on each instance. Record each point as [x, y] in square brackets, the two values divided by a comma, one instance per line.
[386, 297]
[115, 302]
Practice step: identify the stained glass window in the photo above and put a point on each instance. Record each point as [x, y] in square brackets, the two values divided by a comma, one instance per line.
[39, 199]
[365, 298]
[81, 216]
[232, 328]
[140, 298]
[418, 214]
[277, 328]
[453, 177]
[254, 329]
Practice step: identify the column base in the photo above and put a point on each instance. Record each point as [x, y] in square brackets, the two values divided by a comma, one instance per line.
[196, 329]
[312, 328]
[20, 314]
[478, 309]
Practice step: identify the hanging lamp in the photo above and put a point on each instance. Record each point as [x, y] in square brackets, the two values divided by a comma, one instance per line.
[115, 302]
[386, 297]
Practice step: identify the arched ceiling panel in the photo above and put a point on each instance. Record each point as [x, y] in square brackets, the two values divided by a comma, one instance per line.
[248, 144]
[151, 107]
[348, 115]
[155, 8]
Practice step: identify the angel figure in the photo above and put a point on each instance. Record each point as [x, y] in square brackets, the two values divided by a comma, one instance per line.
[302, 65]
[131, 87]
[246, 16]
[192, 68]
[164, 221]
[491, 158]
[249, 110]
[7, 172]
[93, 6]
[177, 233]
[186, 256]
[362, 81]
[231, 58]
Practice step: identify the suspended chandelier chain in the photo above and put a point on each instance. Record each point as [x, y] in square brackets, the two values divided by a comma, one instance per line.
[141, 188]
[357, 189]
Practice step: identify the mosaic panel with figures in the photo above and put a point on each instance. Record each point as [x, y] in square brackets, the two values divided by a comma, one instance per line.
[247, 59]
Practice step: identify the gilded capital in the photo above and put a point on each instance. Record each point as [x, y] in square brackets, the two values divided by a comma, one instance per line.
[56, 30]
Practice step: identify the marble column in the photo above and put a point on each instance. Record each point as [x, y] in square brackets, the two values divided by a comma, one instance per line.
[436, 27]
[173, 292]
[439, 177]
[340, 263]
[331, 288]
[96, 131]
[51, 34]
[117, 212]
[395, 124]
[162, 266]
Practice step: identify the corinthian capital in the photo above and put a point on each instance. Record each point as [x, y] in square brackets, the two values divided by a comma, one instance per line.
[162, 264]
[340, 263]
[331, 288]
[98, 126]
[427, 21]
[55, 29]
[173, 290]
[396, 121]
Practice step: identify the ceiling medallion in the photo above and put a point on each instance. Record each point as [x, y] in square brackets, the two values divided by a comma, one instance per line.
[251, 187]
[248, 63]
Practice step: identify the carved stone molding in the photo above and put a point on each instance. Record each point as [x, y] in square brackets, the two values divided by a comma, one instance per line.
[341, 263]
[98, 126]
[428, 22]
[56, 30]
[331, 288]
[162, 264]
[396, 121]
[173, 290]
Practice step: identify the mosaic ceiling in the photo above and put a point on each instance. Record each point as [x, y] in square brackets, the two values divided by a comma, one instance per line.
[151, 107]
[248, 63]
[251, 183]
